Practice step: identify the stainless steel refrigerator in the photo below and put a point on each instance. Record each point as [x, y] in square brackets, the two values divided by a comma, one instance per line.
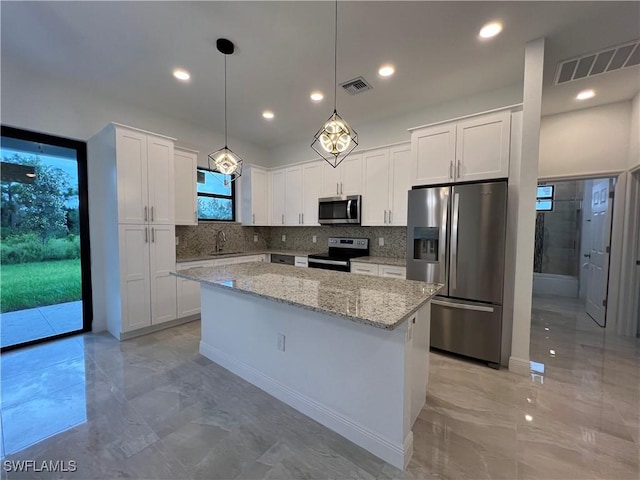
[456, 236]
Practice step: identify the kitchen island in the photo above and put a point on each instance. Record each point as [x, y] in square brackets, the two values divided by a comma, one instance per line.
[349, 351]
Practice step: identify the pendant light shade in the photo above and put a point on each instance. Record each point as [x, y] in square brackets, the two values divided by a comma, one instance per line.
[335, 139]
[224, 160]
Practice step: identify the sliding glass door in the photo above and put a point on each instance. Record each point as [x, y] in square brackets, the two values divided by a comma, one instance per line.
[44, 252]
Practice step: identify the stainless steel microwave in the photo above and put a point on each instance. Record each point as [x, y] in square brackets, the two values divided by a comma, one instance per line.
[345, 209]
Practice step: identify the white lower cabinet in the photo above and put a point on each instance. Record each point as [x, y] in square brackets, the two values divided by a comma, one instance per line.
[364, 268]
[188, 291]
[377, 270]
[147, 289]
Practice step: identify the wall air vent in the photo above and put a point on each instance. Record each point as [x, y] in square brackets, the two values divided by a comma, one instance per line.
[595, 63]
[357, 85]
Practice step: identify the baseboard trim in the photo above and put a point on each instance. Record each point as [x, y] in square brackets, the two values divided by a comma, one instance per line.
[395, 454]
[519, 366]
[157, 328]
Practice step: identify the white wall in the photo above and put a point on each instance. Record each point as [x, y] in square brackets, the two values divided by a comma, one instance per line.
[394, 130]
[588, 142]
[634, 136]
[46, 105]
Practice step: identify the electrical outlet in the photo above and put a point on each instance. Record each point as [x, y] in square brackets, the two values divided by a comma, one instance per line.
[314, 239]
[284, 238]
[381, 241]
[177, 240]
[281, 342]
[255, 238]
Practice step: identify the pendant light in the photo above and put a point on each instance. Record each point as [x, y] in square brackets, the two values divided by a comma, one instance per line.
[225, 161]
[335, 139]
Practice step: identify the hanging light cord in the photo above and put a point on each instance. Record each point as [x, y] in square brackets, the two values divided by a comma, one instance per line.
[225, 100]
[335, 63]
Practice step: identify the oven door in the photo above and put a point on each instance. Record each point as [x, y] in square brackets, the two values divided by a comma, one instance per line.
[339, 210]
[338, 265]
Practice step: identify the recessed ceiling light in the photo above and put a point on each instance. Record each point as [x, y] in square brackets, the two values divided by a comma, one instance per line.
[181, 74]
[585, 95]
[316, 96]
[268, 114]
[490, 30]
[528, 418]
[30, 175]
[386, 70]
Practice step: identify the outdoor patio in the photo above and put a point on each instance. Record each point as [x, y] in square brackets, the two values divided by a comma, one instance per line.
[34, 323]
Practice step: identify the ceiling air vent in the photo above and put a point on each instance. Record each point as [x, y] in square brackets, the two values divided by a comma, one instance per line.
[595, 63]
[357, 85]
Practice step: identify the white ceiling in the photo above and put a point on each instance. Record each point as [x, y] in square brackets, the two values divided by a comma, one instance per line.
[127, 50]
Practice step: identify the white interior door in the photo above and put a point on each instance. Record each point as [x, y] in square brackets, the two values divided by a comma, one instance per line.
[599, 252]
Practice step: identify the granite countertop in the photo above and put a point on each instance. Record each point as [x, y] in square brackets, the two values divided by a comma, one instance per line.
[396, 262]
[376, 301]
[295, 253]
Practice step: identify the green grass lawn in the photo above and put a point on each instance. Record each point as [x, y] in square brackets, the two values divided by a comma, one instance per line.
[30, 285]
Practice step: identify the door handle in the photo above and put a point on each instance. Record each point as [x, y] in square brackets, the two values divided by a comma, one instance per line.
[146, 235]
[152, 214]
[385, 216]
[283, 218]
[389, 216]
[302, 216]
[254, 217]
[451, 170]
[453, 276]
[145, 213]
[459, 168]
[587, 255]
[153, 235]
[195, 216]
[341, 192]
[299, 218]
[337, 188]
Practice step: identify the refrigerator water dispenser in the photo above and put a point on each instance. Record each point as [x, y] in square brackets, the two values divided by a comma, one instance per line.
[426, 243]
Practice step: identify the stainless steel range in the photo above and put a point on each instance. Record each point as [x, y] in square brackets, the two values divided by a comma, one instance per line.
[341, 251]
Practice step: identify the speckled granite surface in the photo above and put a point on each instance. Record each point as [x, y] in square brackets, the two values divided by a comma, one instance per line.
[376, 301]
[295, 253]
[395, 262]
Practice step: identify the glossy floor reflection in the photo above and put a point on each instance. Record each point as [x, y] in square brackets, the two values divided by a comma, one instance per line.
[152, 407]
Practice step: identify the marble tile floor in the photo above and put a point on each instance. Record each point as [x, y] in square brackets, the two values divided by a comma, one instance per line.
[41, 322]
[152, 407]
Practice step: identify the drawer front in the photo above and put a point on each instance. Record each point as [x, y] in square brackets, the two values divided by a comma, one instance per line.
[365, 269]
[302, 262]
[393, 272]
[250, 258]
[283, 259]
[198, 264]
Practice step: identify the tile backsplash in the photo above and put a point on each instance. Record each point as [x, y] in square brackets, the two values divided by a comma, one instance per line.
[200, 240]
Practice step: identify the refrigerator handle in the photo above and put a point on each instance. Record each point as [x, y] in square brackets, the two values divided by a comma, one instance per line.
[453, 276]
[442, 253]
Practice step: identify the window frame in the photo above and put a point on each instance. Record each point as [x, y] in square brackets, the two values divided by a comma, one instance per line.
[231, 197]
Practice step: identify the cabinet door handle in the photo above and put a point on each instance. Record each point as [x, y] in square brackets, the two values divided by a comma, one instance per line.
[385, 216]
[153, 235]
[337, 188]
[451, 170]
[302, 214]
[195, 216]
[146, 235]
[459, 168]
[145, 213]
[152, 214]
[340, 188]
[283, 218]
[254, 217]
[389, 216]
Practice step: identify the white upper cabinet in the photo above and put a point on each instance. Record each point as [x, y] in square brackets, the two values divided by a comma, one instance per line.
[400, 181]
[311, 191]
[475, 148]
[293, 196]
[433, 151]
[482, 147]
[387, 178]
[255, 196]
[145, 183]
[160, 171]
[277, 197]
[185, 165]
[375, 203]
[345, 179]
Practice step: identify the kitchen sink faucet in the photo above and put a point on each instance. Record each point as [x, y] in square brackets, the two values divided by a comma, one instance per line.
[220, 239]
